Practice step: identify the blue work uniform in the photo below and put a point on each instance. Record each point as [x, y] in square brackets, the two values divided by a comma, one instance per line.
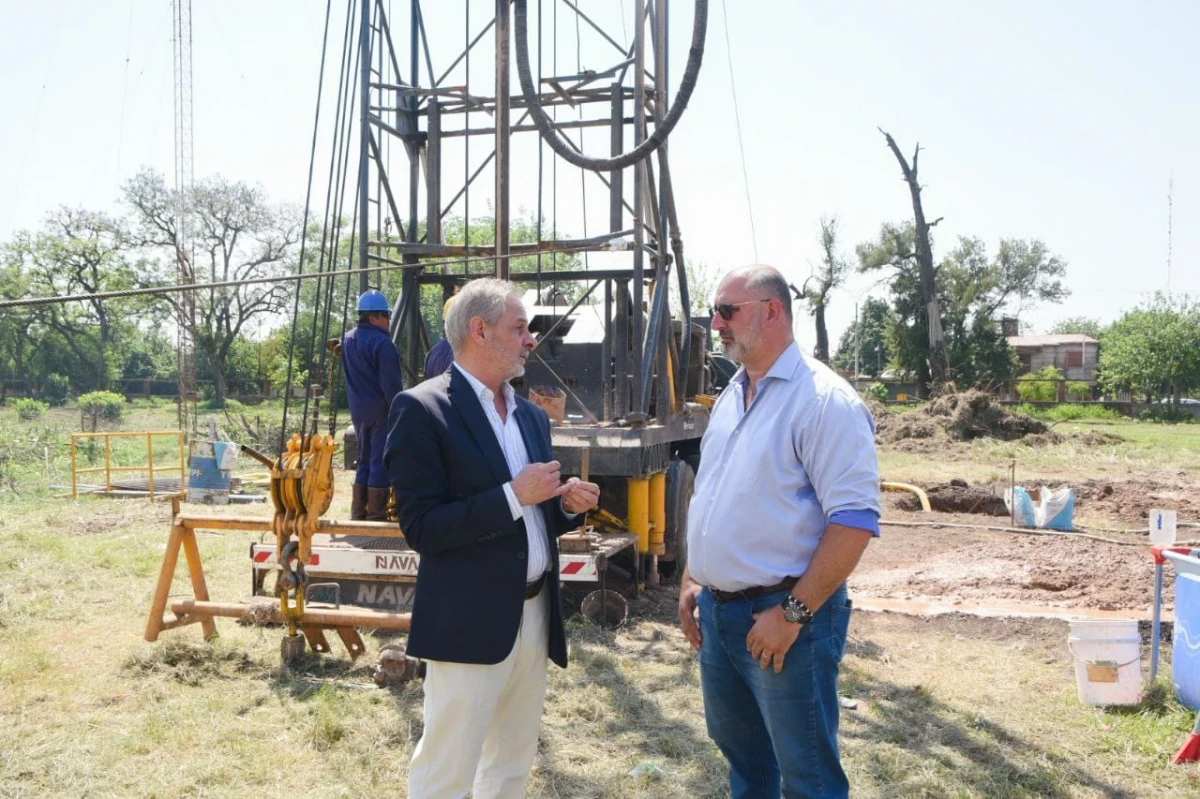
[440, 356]
[372, 367]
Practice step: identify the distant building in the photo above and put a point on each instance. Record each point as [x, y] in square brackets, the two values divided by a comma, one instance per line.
[1074, 353]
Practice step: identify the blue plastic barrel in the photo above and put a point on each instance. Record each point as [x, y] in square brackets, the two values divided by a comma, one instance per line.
[210, 470]
[1185, 652]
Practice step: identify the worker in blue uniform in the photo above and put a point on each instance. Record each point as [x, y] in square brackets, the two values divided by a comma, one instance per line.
[371, 364]
[440, 354]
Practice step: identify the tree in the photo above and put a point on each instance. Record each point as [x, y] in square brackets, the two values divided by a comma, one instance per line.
[1083, 325]
[932, 375]
[76, 252]
[977, 289]
[874, 354]
[482, 232]
[702, 282]
[831, 274]
[237, 236]
[16, 324]
[908, 332]
[973, 289]
[1154, 349]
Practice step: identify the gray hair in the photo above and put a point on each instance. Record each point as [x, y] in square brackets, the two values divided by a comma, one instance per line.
[769, 282]
[485, 297]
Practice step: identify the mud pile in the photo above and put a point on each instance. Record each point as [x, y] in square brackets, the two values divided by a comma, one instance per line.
[959, 417]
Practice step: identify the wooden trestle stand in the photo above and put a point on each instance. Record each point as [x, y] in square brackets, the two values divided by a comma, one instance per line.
[311, 621]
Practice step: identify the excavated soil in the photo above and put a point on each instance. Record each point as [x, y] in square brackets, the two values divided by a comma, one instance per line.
[959, 417]
[1073, 571]
[980, 566]
[958, 497]
[1122, 505]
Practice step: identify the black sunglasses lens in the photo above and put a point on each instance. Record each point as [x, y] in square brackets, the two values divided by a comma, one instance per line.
[725, 310]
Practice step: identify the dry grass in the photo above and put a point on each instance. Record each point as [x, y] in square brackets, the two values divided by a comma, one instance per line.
[946, 707]
[88, 708]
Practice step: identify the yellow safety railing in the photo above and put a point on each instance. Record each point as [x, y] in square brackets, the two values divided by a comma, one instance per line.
[149, 466]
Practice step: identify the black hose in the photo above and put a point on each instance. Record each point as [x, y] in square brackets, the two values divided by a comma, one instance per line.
[653, 141]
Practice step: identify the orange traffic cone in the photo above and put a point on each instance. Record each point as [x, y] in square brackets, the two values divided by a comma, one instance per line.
[1190, 751]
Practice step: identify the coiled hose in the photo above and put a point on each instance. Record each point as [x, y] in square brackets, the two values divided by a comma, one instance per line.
[652, 142]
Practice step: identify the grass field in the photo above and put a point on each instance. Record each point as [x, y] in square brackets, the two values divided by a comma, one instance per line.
[1148, 447]
[947, 707]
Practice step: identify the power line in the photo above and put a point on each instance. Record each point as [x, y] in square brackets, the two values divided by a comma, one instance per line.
[30, 302]
[738, 122]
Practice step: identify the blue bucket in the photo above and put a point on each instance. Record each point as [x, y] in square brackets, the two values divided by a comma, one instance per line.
[1185, 651]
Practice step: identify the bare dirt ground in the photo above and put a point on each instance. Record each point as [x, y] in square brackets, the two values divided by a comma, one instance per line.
[975, 565]
[978, 566]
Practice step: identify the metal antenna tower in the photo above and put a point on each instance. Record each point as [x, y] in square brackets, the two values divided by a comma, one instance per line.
[1170, 209]
[186, 307]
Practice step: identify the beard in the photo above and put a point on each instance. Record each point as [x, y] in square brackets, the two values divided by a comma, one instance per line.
[514, 364]
[736, 349]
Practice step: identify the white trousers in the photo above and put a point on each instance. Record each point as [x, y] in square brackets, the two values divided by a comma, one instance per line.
[482, 722]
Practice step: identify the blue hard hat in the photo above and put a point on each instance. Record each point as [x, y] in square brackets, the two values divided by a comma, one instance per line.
[374, 301]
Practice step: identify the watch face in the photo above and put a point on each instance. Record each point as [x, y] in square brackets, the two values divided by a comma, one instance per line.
[795, 611]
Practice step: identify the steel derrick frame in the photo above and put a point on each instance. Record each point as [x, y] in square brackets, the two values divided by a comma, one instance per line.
[413, 113]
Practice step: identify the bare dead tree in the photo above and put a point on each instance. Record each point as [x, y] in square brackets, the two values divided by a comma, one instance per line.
[937, 356]
[830, 275]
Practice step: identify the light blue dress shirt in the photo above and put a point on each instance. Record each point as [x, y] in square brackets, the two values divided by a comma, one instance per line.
[773, 475]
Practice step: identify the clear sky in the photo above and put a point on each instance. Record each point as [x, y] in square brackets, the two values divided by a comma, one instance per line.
[1059, 120]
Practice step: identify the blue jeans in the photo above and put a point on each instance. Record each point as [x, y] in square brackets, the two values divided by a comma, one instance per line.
[372, 439]
[776, 730]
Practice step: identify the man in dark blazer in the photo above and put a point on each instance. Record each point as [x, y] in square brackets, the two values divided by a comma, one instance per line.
[480, 498]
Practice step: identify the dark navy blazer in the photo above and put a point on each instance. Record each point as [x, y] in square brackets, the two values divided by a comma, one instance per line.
[448, 472]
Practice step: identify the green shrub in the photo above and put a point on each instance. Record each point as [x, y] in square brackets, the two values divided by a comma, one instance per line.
[1170, 413]
[1035, 411]
[1040, 386]
[144, 403]
[100, 406]
[56, 389]
[1078, 391]
[211, 405]
[29, 409]
[1070, 413]
[876, 391]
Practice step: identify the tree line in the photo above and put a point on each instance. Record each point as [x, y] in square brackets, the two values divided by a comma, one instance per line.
[246, 335]
[939, 324]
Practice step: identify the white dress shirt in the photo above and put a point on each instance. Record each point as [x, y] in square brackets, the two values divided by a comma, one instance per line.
[508, 433]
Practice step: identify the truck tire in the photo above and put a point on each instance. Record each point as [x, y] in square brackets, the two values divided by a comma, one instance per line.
[681, 482]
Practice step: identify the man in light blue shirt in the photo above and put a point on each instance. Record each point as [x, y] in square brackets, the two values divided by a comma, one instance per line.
[786, 500]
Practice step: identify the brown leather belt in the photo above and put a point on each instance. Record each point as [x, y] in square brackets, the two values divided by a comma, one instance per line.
[756, 591]
[535, 588]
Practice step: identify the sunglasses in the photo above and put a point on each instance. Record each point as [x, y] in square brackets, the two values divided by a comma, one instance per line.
[726, 310]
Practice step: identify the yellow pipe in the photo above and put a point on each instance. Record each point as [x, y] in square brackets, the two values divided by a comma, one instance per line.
[658, 513]
[639, 511]
[921, 495]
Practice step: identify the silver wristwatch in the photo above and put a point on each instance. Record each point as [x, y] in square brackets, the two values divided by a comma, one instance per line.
[795, 611]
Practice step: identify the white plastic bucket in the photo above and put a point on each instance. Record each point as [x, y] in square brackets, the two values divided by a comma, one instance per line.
[1108, 661]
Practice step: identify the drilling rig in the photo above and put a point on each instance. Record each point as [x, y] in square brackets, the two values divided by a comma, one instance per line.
[620, 362]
